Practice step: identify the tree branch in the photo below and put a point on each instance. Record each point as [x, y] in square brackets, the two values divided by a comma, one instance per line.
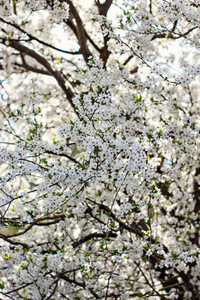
[80, 31]
[64, 155]
[103, 7]
[41, 60]
[83, 285]
[38, 40]
[93, 235]
[5, 238]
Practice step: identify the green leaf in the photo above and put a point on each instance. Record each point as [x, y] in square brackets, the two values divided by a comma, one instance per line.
[112, 225]
[1, 286]
[108, 213]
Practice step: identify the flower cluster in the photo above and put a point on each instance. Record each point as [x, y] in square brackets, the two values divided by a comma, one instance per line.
[99, 150]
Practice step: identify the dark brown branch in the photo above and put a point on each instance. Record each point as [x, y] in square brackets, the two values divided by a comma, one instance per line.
[93, 235]
[171, 34]
[32, 69]
[71, 25]
[80, 31]
[92, 42]
[6, 296]
[103, 7]
[149, 284]
[5, 238]
[81, 284]
[105, 53]
[64, 155]
[54, 289]
[89, 211]
[133, 71]
[196, 194]
[103, 10]
[186, 33]
[150, 7]
[194, 4]
[39, 222]
[41, 60]
[174, 26]
[14, 7]
[19, 288]
[128, 59]
[134, 228]
[38, 40]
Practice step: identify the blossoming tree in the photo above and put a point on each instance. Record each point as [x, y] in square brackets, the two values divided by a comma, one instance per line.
[99, 149]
